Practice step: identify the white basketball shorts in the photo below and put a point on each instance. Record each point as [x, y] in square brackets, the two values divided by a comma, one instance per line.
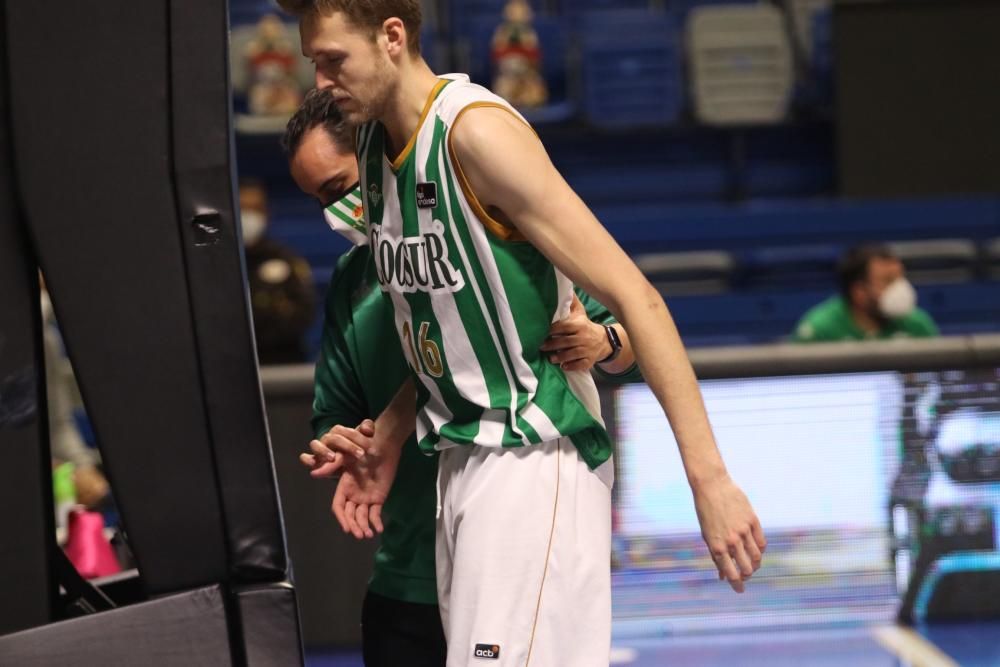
[523, 557]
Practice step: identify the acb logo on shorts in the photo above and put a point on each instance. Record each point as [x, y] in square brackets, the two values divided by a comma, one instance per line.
[489, 651]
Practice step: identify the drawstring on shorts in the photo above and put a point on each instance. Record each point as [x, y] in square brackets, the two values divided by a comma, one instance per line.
[437, 489]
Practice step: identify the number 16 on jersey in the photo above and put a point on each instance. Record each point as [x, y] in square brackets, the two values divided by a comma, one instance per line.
[429, 360]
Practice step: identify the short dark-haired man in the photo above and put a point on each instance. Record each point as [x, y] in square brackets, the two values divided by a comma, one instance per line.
[876, 301]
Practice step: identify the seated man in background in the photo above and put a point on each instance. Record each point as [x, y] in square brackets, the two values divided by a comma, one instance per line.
[360, 368]
[282, 294]
[876, 301]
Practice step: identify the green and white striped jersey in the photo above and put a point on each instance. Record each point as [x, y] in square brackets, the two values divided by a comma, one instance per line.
[472, 301]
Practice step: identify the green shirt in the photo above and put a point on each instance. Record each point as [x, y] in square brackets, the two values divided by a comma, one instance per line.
[360, 368]
[831, 320]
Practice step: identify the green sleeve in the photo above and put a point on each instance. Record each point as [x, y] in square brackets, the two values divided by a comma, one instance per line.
[597, 312]
[338, 398]
[822, 324]
[922, 325]
[805, 332]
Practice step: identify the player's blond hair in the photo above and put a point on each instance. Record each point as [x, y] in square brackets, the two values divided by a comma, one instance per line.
[366, 14]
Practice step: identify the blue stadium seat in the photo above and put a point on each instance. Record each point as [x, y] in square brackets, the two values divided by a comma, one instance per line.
[963, 307]
[631, 66]
[466, 14]
[741, 317]
[434, 50]
[576, 10]
[250, 11]
[315, 242]
[789, 160]
[553, 39]
[991, 258]
[938, 261]
[614, 186]
[660, 167]
[645, 226]
[681, 8]
[791, 267]
[822, 57]
[771, 315]
[786, 178]
[692, 272]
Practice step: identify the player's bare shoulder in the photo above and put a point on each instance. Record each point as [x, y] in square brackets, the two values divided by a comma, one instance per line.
[497, 150]
[482, 129]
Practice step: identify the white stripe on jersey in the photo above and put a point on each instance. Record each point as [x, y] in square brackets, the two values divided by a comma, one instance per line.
[470, 381]
[474, 283]
[538, 420]
[436, 413]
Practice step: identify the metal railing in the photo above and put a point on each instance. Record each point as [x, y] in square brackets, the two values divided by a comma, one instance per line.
[925, 354]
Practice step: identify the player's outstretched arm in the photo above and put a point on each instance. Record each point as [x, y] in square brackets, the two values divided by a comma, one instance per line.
[514, 180]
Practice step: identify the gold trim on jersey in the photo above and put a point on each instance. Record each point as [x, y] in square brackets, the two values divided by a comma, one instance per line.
[401, 158]
[502, 231]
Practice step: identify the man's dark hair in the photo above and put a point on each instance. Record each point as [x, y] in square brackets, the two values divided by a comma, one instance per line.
[853, 265]
[317, 110]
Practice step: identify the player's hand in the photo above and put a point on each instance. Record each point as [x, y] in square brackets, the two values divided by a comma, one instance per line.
[576, 343]
[730, 529]
[338, 447]
[362, 490]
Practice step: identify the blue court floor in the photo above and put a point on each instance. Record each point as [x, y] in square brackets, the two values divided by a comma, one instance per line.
[965, 645]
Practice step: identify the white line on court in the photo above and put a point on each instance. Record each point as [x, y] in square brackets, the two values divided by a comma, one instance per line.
[910, 647]
[623, 655]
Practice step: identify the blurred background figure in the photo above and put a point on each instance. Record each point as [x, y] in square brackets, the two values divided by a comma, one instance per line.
[517, 57]
[78, 477]
[271, 62]
[86, 517]
[282, 293]
[876, 301]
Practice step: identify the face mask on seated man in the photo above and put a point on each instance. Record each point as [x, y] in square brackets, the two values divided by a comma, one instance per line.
[876, 301]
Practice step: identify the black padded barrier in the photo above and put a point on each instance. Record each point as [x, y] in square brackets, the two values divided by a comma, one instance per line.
[270, 633]
[93, 146]
[25, 487]
[203, 174]
[116, 178]
[183, 630]
[134, 208]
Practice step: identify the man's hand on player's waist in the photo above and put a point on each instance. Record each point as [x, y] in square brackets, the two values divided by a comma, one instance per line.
[576, 343]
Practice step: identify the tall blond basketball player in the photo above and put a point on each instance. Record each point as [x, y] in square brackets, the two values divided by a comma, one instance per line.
[477, 241]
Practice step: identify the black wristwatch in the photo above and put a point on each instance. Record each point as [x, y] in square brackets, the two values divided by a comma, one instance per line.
[616, 344]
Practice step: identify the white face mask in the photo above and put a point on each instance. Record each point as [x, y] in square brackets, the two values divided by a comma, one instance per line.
[253, 223]
[898, 300]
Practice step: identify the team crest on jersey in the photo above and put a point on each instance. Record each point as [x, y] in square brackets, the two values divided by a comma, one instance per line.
[374, 194]
[414, 263]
